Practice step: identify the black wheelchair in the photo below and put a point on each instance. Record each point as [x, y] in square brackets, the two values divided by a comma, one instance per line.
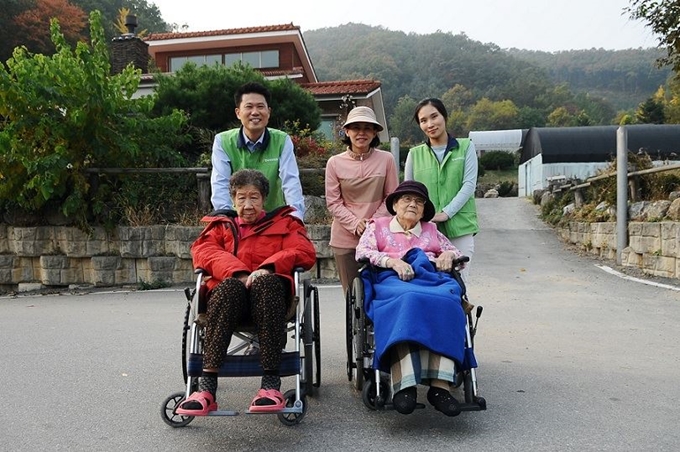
[303, 360]
[375, 384]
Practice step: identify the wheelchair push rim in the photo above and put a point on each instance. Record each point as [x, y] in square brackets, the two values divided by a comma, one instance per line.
[355, 325]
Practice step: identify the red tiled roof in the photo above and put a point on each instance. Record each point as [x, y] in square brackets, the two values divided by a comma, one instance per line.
[342, 87]
[279, 72]
[266, 73]
[231, 31]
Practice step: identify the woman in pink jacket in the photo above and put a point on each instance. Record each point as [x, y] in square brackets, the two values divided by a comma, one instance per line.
[357, 182]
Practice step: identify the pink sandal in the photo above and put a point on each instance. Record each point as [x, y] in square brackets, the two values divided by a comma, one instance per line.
[271, 394]
[204, 398]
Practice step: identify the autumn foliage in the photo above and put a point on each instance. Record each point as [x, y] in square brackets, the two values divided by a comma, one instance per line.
[34, 23]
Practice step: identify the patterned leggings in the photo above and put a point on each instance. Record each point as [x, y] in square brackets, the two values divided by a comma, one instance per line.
[231, 304]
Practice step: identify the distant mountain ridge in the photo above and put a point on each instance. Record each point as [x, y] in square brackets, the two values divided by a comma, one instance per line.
[429, 65]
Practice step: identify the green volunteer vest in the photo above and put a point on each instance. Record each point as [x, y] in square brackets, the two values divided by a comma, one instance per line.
[443, 182]
[264, 160]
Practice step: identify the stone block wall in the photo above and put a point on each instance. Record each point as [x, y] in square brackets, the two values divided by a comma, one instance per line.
[56, 256]
[654, 247]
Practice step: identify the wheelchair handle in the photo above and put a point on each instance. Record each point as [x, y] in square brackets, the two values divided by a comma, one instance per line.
[461, 260]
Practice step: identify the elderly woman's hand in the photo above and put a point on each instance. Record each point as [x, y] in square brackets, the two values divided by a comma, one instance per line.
[254, 275]
[444, 262]
[404, 270]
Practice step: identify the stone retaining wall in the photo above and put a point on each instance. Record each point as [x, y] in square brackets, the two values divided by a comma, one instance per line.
[54, 256]
[653, 247]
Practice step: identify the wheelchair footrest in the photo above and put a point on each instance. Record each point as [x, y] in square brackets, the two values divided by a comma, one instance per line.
[478, 405]
[223, 413]
[245, 365]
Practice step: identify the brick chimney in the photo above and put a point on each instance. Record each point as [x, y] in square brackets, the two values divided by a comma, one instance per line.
[128, 48]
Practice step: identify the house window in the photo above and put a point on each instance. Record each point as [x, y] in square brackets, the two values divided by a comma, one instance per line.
[231, 58]
[269, 58]
[198, 60]
[252, 58]
[258, 60]
[327, 127]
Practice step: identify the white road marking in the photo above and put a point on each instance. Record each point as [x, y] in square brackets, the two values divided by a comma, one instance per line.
[631, 278]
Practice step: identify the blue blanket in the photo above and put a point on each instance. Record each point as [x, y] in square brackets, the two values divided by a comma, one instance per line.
[426, 310]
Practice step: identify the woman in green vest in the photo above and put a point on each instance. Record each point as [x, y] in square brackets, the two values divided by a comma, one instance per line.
[448, 168]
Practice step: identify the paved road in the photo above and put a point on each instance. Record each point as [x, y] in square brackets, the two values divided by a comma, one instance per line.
[571, 358]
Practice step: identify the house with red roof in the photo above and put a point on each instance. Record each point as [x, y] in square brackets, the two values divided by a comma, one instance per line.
[275, 50]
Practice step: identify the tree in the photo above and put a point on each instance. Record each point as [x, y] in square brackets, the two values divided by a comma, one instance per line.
[489, 115]
[402, 124]
[650, 111]
[290, 102]
[458, 98]
[530, 117]
[9, 31]
[672, 109]
[148, 15]
[34, 24]
[664, 19]
[561, 117]
[206, 94]
[64, 113]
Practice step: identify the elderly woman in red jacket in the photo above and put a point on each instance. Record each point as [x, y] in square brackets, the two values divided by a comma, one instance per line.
[250, 255]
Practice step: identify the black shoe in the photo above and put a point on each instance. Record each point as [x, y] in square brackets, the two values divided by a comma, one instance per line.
[443, 401]
[405, 400]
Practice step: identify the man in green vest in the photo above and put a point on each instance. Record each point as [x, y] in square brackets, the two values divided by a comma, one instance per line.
[255, 146]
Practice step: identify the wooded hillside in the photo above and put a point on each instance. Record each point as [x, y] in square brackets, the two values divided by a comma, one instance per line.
[564, 88]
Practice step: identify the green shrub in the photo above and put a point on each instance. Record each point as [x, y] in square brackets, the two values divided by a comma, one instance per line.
[206, 94]
[506, 188]
[65, 113]
[497, 160]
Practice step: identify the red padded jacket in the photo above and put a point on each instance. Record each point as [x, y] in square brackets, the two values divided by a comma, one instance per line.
[277, 242]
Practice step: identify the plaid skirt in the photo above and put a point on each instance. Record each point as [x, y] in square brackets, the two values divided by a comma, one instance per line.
[413, 365]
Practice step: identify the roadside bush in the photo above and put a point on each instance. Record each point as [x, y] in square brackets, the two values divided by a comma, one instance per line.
[312, 151]
[506, 189]
[64, 113]
[497, 160]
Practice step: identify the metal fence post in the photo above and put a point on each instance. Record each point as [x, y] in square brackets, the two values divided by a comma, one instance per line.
[394, 148]
[621, 191]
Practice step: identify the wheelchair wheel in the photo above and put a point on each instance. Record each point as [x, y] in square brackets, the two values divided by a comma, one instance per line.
[317, 338]
[467, 387]
[293, 418]
[308, 342]
[185, 342]
[186, 348]
[368, 395]
[168, 411]
[356, 322]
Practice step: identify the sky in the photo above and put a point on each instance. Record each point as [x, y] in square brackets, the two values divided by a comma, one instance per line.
[548, 25]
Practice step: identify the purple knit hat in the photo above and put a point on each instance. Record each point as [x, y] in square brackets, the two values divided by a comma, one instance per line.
[411, 187]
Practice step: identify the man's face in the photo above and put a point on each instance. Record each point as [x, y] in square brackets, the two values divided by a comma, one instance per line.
[253, 112]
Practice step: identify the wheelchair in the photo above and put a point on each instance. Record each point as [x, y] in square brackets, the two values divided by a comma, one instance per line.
[375, 387]
[302, 361]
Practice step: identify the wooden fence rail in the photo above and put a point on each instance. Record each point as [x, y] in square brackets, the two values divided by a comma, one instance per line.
[202, 178]
[633, 181]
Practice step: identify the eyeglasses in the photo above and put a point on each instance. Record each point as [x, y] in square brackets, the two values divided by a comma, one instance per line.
[407, 199]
